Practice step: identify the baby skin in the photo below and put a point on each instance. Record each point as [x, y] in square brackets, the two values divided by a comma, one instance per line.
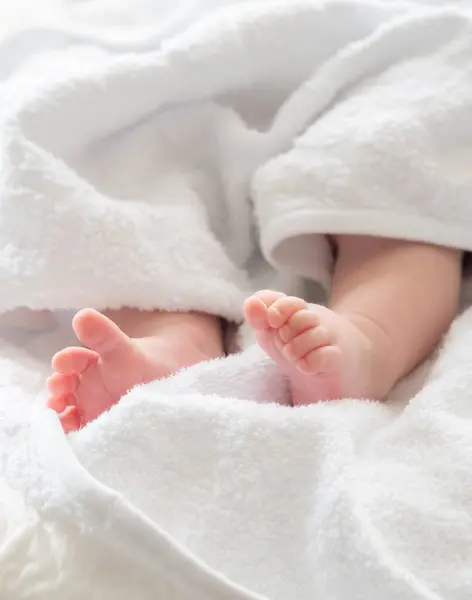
[121, 350]
[390, 303]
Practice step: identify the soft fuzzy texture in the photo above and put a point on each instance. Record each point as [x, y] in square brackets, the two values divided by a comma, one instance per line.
[129, 156]
[193, 487]
[138, 140]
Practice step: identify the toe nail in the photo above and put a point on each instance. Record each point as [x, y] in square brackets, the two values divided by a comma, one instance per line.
[287, 352]
[284, 334]
[274, 315]
[279, 344]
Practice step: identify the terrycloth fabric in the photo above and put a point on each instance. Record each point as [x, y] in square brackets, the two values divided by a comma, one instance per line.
[137, 141]
[196, 488]
[128, 154]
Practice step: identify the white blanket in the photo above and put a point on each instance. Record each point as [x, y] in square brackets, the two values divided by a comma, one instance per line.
[137, 142]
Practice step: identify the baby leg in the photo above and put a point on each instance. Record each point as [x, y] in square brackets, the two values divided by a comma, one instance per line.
[390, 303]
[124, 349]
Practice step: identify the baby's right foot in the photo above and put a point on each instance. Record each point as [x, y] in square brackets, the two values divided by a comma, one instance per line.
[88, 381]
[325, 355]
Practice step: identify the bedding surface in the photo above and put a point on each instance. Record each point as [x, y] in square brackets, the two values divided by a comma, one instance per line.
[176, 156]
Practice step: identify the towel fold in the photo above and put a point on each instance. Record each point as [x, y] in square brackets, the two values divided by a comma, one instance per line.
[145, 150]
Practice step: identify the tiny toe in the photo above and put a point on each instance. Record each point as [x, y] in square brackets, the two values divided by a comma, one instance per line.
[60, 384]
[70, 419]
[322, 361]
[269, 296]
[61, 403]
[281, 310]
[301, 321]
[278, 343]
[255, 308]
[255, 313]
[57, 403]
[73, 360]
[306, 343]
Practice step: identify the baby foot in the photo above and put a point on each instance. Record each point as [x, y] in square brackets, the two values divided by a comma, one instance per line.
[88, 381]
[324, 354]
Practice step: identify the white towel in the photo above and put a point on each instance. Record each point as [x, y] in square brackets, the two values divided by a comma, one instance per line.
[110, 143]
[195, 488]
[137, 140]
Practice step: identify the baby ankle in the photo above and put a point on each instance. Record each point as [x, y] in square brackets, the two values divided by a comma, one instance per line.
[386, 366]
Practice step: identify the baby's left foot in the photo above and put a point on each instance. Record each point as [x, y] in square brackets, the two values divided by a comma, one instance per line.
[326, 355]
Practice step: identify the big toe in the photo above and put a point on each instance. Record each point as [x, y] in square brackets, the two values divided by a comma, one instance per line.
[100, 334]
[256, 306]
